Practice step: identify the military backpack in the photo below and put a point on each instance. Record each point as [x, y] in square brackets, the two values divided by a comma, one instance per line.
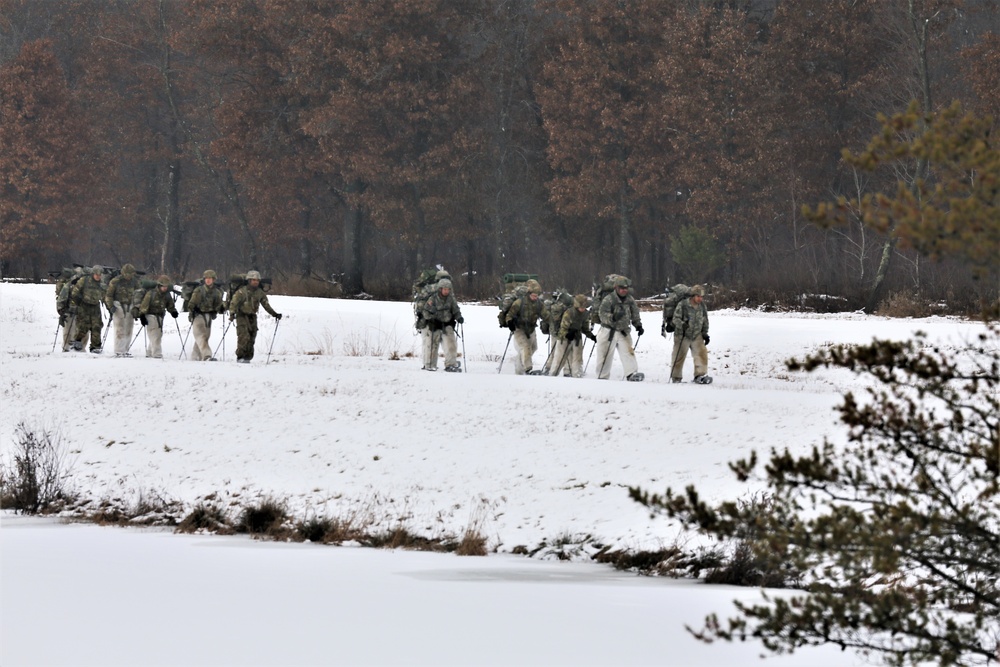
[672, 297]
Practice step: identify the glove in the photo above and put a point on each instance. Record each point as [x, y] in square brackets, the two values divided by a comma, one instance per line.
[62, 319]
[512, 325]
[278, 316]
[669, 327]
[212, 316]
[640, 330]
[460, 319]
[591, 335]
[173, 314]
[451, 323]
[232, 317]
[142, 320]
[704, 337]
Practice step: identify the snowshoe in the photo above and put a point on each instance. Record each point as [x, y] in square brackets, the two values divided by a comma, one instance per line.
[96, 350]
[703, 379]
[535, 373]
[636, 377]
[454, 368]
[428, 368]
[77, 346]
[243, 361]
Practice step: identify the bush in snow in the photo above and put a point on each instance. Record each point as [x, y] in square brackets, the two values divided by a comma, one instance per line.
[37, 477]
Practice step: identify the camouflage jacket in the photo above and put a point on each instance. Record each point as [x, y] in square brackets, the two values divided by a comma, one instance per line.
[524, 313]
[573, 322]
[157, 302]
[248, 300]
[439, 308]
[617, 313]
[690, 319]
[121, 289]
[553, 315]
[206, 299]
[87, 291]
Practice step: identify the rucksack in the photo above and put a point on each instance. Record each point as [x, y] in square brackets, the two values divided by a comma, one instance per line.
[556, 306]
[187, 291]
[140, 293]
[601, 290]
[62, 301]
[423, 288]
[507, 300]
[672, 297]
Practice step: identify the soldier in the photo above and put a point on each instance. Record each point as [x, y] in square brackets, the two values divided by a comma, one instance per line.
[618, 312]
[552, 314]
[691, 333]
[522, 318]
[573, 326]
[440, 313]
[85, 304]
[63, 288]
[155, 305]
[203, 306]
[243, 308]
[118, 300]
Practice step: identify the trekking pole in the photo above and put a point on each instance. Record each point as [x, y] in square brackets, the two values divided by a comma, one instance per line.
[107, 330]
[184, 342]
[54, 340]
[587, 365]
[638, 336]
[179, 336]
[500, 368]
[552, 348]
[141, 329]
[465, 366]
[273, 337]
[222, 343]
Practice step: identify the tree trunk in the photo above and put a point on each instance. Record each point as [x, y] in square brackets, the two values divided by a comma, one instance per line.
[353, 277]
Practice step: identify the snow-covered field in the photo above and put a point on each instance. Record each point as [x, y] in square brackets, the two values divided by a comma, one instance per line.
[342, 421]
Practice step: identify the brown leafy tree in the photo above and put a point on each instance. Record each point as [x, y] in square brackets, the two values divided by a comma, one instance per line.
[45, 166]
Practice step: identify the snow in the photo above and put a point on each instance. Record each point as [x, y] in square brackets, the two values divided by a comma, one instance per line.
[342, 422]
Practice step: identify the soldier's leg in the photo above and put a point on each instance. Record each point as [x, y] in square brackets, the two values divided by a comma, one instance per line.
[699, 352]
[201, 330]
[251, 336]
[427, 350]
[576, 358]
[69, 333]
[96, 327]
[154, 331]
[626, 354]
[558, 357]
[605, 352]
[677, 358]
[449, 341]
[242, 336]
[123, 331]
[521, 348]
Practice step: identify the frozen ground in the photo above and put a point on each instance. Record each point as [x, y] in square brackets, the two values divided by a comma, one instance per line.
[342, 421]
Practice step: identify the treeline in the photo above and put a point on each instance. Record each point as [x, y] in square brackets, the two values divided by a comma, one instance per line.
[357, 141]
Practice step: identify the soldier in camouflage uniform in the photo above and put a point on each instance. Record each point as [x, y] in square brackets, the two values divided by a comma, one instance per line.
[154, 308]
[85, 303]
[522, 318]
[118, 300]
[573, 326]
[691, 333]
[68, 322]
[552, 313]
[243, 308]
[203, 306]
[440, 313]
[618, 312]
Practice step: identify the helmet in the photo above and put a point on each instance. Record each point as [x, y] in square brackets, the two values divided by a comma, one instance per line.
[622, 281]
[581, 301]
[444, 283]
[253, 275]
[442, 274]
[697, 290]
[209, 274]
[128, 270]
[97, 268]
[164, 281]
[533, 286]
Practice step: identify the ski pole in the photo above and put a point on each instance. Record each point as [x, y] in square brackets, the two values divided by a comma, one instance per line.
[184, 342]
[465, 366]
[273, 337]
[637, 339]
[500, 368]
[141, 329]
[222, 343]
[58, 325]
[179, 336]
[590, 356]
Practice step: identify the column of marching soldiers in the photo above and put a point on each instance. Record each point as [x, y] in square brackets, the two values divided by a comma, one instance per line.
[82, 292]
[565, 318]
